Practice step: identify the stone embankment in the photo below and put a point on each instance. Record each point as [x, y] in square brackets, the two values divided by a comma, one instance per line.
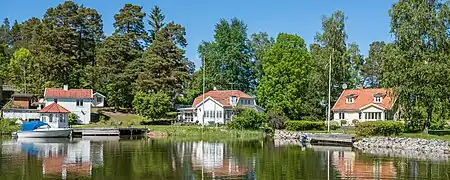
[387, 146]
[405, 144]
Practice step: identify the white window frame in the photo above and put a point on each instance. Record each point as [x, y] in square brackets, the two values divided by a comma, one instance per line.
[377, 99]
[80, 103]
[350, 100]
[341, 115]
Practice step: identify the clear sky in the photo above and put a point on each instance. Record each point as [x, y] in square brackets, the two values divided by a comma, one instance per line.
[367, 20]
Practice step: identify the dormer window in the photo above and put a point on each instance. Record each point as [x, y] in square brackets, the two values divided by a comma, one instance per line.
[350, 100]
[377, 98]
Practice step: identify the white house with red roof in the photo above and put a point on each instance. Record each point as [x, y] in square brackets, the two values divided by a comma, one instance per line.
[55, 115]
[217, 106]
[77, 101]
[364, 105]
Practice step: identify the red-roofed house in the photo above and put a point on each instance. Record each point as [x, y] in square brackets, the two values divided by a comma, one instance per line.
[77, 101]
[217, 106]
[364, 105]
[55, 115]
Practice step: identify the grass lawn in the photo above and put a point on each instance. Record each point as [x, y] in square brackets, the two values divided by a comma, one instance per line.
[422, 136]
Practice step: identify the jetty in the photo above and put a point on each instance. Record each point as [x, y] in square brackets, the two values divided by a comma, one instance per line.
[79, 132]
[338, 139]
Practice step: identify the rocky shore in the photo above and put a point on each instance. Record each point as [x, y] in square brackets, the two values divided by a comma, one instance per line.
[405, 144]
[385, 146]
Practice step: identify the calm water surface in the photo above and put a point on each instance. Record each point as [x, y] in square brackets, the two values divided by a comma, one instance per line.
[115, 158]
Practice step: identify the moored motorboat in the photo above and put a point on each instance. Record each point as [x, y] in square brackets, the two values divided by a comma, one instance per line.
[39, 129]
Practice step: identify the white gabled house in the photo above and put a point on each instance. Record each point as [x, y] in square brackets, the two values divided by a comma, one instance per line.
[217, 106]
[77, 101]
[364, 105]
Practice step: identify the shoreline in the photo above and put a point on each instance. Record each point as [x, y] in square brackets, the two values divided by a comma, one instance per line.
[390, 146]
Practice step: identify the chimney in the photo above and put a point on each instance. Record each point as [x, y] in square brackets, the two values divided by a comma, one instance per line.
[215, 89]
[66, 87]
[361, 87]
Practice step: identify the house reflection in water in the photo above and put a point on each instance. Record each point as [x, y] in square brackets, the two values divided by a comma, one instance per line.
[349, 166]
[211, 159]
[62, 157]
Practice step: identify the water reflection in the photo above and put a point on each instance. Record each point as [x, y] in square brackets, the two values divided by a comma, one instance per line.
[59, 156]
[180, 159]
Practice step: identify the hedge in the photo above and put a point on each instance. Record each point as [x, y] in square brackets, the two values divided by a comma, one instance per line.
[305, 125]
[379, 128]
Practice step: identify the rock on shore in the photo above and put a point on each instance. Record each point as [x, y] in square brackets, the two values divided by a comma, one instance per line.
[403, 144]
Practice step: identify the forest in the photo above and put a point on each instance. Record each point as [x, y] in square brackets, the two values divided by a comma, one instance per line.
[67, 45]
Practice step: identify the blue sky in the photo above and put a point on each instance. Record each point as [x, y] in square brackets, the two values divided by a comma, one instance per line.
[367, 21]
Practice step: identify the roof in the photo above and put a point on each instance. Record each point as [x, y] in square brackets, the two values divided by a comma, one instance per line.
[364, 98]
[222, 97]
[54, 108]
[98, 94]
[69, 94]
[22, 95]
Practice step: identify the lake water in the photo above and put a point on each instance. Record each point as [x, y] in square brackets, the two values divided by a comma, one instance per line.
[113, 158]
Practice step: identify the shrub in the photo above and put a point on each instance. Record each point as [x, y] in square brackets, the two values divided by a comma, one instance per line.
[72, 118]
[153, 106]
[276, 121]
[334, 125]
[305, 125]
[438, 124]
[248, 119]
[355, 121]
[379, 128]
[8, 126]
[343, 122]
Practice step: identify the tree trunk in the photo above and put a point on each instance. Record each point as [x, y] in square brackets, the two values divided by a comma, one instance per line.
[428, 122]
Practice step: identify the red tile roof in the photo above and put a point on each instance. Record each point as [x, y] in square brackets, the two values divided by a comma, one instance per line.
[223, 97]
[54, 108]
[71, 93]
[364, 97]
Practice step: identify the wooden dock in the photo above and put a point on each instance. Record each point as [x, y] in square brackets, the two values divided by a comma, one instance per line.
[107, 131]
[333, 139]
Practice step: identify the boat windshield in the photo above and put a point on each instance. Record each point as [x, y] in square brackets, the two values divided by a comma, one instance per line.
[44, 127]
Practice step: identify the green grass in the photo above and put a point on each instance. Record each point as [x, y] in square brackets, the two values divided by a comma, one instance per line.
[198, 132]
[423, 136]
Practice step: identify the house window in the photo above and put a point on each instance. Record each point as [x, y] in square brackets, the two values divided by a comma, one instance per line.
[50, 118]
[377, 99]
[61, 118]
[360, 115]
[55, 100]
[341, 116]
[213, 114]
[99, 99]
[79, 102]
[372, 115]
[44, 119]
[349, 100]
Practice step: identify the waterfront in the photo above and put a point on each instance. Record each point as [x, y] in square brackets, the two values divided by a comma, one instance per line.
[114, 158]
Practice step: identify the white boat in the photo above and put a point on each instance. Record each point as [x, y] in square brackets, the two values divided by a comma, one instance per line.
[39, 129]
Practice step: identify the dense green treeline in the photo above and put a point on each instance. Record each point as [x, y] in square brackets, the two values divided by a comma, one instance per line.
[67, 46]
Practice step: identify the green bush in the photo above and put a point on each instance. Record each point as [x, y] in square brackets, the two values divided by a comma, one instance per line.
[248, 119]
[343, 122]
[438, 124]
[334, 125]
[305, 125]
[73, 118]
[355, 121]
[153, 105]
[379, 128]
[8, 126]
